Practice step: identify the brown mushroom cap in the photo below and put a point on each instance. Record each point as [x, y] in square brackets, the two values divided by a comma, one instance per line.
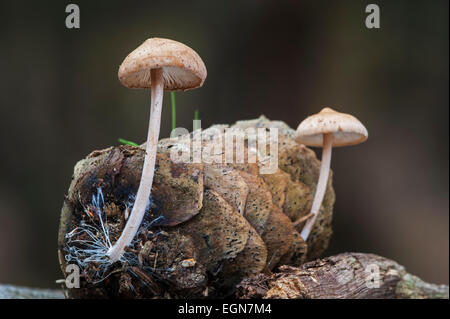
[347, 129]
[183, 69]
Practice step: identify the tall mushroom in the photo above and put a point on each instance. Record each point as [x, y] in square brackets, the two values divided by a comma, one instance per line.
[327, 129]
[157, 64]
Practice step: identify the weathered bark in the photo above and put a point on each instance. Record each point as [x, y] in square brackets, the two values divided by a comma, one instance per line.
[16, 292]
[344, 276]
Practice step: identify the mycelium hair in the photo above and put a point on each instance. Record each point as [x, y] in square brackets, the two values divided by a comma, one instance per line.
[88, 243]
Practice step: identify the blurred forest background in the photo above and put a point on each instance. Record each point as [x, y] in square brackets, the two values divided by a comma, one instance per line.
[61, 99]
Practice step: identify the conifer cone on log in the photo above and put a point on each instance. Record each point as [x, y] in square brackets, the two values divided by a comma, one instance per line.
[207, 225]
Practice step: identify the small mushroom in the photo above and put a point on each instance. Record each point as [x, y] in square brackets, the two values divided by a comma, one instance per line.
[327, 129]
[157, 64]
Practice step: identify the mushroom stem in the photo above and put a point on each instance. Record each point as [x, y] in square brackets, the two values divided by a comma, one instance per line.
[145, 186]
[321, 184]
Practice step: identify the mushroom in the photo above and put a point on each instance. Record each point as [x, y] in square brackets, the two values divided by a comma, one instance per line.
[327, 129]
[157, 64]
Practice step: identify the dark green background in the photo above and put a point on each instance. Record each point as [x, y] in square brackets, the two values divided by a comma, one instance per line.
[60, 99]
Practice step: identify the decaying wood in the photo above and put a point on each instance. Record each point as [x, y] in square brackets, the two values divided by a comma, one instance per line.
[344, 276]
[17, 292]
[340, 276]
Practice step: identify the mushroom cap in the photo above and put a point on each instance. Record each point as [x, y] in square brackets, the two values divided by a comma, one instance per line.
[347, 129]
[183, 69]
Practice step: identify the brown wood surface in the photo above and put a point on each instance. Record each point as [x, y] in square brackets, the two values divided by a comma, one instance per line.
[343, 276]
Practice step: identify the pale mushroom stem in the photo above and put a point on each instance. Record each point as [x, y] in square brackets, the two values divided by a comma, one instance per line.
[321, 184]
[145, 186]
